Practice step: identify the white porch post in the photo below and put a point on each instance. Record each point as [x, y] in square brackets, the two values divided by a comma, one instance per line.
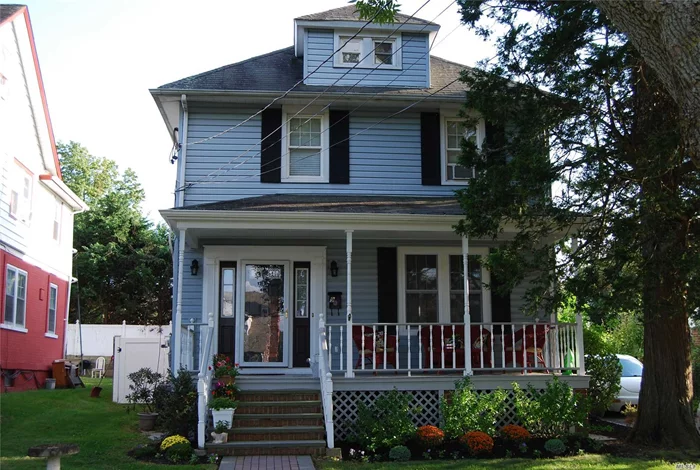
[579, 344]
[177, 327]
[467, 315]
[348, 333]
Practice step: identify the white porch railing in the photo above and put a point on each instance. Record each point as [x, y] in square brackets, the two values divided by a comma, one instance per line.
[204, 382]
[520, 347]
[326, 379]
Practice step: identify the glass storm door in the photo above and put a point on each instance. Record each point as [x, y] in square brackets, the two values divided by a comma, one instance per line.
[265, 315]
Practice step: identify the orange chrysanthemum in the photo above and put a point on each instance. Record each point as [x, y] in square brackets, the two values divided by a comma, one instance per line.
[515, 433]
[477, 442]
[430, 436]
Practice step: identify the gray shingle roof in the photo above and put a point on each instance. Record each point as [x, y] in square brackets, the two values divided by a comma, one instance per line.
[8, 10]
[349, 13]
[280, 70]
[338, 204]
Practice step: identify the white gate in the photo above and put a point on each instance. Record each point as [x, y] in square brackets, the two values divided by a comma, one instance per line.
[132, 354]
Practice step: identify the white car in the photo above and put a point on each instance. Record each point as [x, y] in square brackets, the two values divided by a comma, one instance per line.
[630, 383]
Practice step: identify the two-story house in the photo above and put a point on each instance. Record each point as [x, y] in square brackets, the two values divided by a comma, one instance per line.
[314, 219]
[36, 215]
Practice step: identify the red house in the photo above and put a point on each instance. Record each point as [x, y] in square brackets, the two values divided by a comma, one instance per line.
[36, 216]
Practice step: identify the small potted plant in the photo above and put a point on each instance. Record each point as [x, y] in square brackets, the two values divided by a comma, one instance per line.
[224, 370]
[143, 383]
[222, 409]
[220, 433]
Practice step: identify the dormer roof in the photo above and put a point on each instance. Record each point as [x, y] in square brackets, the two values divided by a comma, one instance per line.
[349, 13]
[349, 18]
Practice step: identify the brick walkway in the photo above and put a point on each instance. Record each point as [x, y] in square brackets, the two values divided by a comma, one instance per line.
[271, 462]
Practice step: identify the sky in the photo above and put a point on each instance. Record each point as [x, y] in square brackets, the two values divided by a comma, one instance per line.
[99, 58]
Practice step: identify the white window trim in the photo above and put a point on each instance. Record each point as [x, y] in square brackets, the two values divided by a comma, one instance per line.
[14, 325]
[287, 114]
[367, 50]
[50, 333]
[443, 266]
[480, 136]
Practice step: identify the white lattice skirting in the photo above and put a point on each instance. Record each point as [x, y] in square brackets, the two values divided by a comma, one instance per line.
[345, 404]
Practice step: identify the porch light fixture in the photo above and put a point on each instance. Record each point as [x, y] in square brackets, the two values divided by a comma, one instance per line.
[334, 268]
[194, 267]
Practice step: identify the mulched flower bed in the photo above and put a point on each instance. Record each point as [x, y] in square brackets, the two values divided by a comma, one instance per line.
[151, 453]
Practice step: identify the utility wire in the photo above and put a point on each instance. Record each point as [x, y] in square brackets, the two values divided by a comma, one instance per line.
[434, 44]
[292, 88]
[212, 174]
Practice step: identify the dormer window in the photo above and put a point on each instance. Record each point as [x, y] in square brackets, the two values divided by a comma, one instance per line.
[368, 51]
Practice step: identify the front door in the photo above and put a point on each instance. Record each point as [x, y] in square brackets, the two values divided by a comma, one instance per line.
[264, 331]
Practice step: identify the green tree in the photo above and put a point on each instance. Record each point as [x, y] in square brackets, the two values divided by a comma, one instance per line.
[123, 262]
[585, 138]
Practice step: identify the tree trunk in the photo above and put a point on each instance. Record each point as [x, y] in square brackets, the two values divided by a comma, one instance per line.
[666, 35]
[665, 415]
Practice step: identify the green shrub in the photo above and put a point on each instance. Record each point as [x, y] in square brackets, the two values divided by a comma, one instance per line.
[552, 412]
[466, 410]
[180, 452]
[695, 356]
[386, 423]
[605, 372]
[144, 451]
[176, 404]
[400, 454]
[555, 446]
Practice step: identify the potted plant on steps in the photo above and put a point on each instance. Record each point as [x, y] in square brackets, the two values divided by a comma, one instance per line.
[143, 383]
[224, 369]
[220, 433]
[222, 409]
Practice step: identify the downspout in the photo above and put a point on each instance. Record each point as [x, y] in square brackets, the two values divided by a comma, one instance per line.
[177, 324]
[182, 160]
[71, 281]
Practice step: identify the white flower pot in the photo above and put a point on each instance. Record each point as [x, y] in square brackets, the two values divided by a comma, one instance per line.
[225, 415]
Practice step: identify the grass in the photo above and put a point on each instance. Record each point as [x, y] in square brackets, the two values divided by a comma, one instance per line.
[103, 430]
[591, 461]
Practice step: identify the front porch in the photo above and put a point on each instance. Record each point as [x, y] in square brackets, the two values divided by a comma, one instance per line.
[355, 303]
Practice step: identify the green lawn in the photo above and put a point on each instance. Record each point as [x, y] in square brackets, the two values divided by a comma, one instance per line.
[586, 461]
[102, 429]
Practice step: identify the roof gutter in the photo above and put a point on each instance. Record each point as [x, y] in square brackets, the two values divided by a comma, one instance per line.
[60, 189]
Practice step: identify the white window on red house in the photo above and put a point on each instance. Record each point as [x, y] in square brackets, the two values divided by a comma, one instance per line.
[15, 297]
[53, 302]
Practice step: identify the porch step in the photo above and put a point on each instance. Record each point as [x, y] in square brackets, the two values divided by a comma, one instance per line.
[279, 407]
[282, 447]
[281, 433]
[277, 420]
[270, 396]
[277, 383]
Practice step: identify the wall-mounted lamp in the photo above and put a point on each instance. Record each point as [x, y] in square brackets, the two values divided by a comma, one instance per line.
[194, 267]
[334, 268]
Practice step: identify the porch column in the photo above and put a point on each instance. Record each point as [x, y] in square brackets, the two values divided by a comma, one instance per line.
[579, 344]
[348, 333]
[177, 327]
[467, 315]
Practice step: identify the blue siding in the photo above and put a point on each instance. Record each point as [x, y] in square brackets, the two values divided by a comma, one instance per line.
[192, 288]
[384, 160]
[320, 46]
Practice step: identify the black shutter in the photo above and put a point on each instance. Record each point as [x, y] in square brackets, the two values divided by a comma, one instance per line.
[339, 152]
[387, 288]
[500, 303]
[271, 147]
[496, 139]
[430, 148]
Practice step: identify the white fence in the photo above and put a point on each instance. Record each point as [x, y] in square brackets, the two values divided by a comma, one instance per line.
[98, 339]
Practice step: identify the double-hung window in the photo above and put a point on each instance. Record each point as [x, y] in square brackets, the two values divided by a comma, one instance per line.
[21, 195]
[455, 132]
[305, 148]
[368, 51]
[53, 302]
[431, 285]
[15, 298]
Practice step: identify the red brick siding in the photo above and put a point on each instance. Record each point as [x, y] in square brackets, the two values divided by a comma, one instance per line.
[32, 351]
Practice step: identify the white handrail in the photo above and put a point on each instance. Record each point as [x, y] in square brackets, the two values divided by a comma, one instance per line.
[204, 383]
[326, 379]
